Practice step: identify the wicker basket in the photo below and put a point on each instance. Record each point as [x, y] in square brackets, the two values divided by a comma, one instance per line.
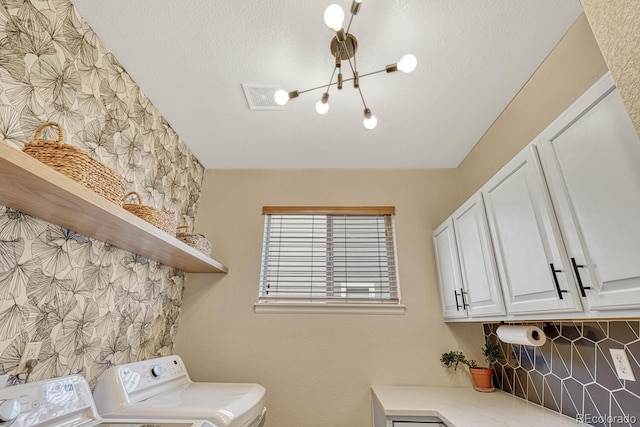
[197, 241]
[76, 164]
[162, 219]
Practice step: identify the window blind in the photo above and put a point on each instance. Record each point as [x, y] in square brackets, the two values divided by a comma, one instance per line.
[344, 256]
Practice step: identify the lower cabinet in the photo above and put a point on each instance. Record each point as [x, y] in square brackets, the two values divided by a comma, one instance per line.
[379, 419]
[417, 423]
[398, 421]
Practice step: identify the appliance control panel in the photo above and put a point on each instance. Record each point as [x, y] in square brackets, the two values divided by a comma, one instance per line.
[145, 374]
[51, 402]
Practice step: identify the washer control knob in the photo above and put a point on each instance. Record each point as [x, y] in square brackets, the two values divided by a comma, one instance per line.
[9, 409]
[156, 371]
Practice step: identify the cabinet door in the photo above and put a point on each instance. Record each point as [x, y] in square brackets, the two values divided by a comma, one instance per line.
[417, 423]
[448, 267]
[534, 270]
[591, 157]
[477, 264]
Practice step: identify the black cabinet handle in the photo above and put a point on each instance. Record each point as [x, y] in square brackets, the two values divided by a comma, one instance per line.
[555, 280]
[575, 270]
[456, 295]
[464, 304]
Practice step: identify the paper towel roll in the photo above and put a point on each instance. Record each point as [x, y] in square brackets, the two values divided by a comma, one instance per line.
[521, 334]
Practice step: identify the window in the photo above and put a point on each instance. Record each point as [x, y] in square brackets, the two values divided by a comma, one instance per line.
[339, 254]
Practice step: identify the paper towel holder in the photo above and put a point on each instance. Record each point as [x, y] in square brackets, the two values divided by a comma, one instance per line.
[521, 335]
[535, 334]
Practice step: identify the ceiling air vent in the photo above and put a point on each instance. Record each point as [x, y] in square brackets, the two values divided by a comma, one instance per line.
[260, 96]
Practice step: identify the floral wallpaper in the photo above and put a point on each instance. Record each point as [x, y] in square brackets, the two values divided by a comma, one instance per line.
[91, 304]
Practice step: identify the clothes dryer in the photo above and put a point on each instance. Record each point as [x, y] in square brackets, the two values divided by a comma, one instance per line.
[162, 388]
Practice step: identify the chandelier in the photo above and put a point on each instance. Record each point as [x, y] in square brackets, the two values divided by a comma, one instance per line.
[343, 47]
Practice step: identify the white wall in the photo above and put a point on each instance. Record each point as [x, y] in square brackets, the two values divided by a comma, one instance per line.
[318, 368]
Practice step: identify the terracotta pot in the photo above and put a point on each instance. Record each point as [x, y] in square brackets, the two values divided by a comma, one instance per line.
[482, 378]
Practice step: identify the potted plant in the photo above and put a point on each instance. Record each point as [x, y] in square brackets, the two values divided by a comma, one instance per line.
[482, 376]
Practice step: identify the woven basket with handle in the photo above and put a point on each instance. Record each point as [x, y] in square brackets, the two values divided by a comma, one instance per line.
[197, 241]
[162, 219]
[76, 164]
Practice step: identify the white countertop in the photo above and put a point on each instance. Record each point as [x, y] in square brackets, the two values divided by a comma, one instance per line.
[465, 407]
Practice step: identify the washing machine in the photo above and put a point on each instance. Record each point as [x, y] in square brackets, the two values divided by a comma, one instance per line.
[162, 388]
[66, 402]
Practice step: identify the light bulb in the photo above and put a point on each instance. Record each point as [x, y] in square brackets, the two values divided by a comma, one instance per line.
[322, 107]
[370, 122]
[407, 63]
[281, 97]
[334, 17]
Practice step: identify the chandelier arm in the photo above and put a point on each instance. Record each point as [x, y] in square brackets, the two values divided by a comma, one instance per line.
[362, 97]
[351, 64]
[345, 80]
[350, 21]
[331, 79]
[372, 73]
[315, 88]
[354, 70]
[323, 86]
[355, 63]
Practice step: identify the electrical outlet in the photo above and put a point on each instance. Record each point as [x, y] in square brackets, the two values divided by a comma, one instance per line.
[621, 363]
[31, 351]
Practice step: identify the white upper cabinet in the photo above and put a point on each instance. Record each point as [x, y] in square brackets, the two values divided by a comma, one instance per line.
[451, 292]
[591, 159]
[563, 219]
[467, 274]
[534, 270]
[477, 265]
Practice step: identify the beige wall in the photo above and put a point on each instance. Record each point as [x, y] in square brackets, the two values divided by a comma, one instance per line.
[616, 26]
[572, 67]
[318, 368]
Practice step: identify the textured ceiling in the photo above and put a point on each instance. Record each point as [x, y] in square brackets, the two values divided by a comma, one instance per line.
[191, 57]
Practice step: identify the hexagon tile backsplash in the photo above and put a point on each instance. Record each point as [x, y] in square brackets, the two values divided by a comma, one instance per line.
[573, 372]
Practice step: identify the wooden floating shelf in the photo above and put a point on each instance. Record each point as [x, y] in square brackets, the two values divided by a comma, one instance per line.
[32, 187]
